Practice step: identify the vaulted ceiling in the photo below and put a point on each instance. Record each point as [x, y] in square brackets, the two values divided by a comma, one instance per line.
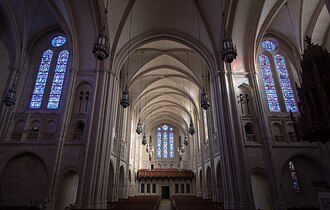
[168, 48]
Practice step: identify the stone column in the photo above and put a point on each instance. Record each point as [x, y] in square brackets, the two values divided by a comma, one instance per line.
[112, 103]
[9, 101]
[273, 180]
[91, 191]
[232, 165]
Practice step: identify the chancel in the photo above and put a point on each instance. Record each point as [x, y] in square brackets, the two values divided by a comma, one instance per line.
[164, 104]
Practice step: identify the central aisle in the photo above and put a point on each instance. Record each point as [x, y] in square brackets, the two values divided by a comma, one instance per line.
[165, 204]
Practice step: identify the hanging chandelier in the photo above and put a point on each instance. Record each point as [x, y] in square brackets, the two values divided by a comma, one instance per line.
[139, 127]
[124, 102]
[205, 104]
[101, 46]
[191, 130]
[185, 141]
[144, 139]
[229, 51]
[10, 98]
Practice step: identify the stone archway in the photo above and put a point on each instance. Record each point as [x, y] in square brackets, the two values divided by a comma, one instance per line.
[311, 177]
[209, 183]
[261, 191]
[219, 183]
[121, 186]
[68, 190]
[24, 181]
[110, 183]
[201, 183]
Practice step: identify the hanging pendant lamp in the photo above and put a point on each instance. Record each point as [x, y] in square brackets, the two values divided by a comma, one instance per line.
[185, 141]
[205, 104]
[191, 130]
[101, 46]
[124, 102]
[229, 51]
[144, 139]
[139, 127]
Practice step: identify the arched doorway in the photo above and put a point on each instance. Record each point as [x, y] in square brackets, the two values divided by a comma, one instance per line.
[24, 181]
[201, 183]
[261, 191]
[130, 187]
[209, 183]
[121, 186]
[110, 183]
[219, 183]
[68, 189]
[302, 179]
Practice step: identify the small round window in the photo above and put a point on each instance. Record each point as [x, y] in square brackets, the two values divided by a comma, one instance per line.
[58, 41]
[268, 45]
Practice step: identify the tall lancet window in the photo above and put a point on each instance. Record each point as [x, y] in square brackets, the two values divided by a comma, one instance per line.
[283, 76]
[165, 142]
[47, 68]
[269, 83]
[276, 78]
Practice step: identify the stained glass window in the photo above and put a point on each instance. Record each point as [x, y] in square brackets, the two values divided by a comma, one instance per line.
[159, 143]
[283, 77]
[58, 41]
[294, 176]
[269, 84]
[41, 80]
[57, 85]
[268, 45]
[171, 143]
[165, 142]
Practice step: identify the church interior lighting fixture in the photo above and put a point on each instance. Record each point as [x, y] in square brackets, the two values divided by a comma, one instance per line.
[229, 51]
[124, 102]
[101, 45]
[205, 104]
[139, 125]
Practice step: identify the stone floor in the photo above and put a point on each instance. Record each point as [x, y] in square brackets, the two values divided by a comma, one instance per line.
[165, 204]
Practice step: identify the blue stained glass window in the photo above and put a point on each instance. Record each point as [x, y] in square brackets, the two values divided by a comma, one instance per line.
[269, 84]
[58, 80]
[159, 143]
[283, 76]
[294, 177]
[268, 45]
[41, 80]
[171, 143]
[165, 142]
[58, 41]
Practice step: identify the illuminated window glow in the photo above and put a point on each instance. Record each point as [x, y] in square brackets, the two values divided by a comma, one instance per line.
[41, 80]
[269, 84]
[283, 77]
[159, 143]
[58, 41]
[165, 142]
[294, 176]
[268, 45]
[57, 85]
[171, 143]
